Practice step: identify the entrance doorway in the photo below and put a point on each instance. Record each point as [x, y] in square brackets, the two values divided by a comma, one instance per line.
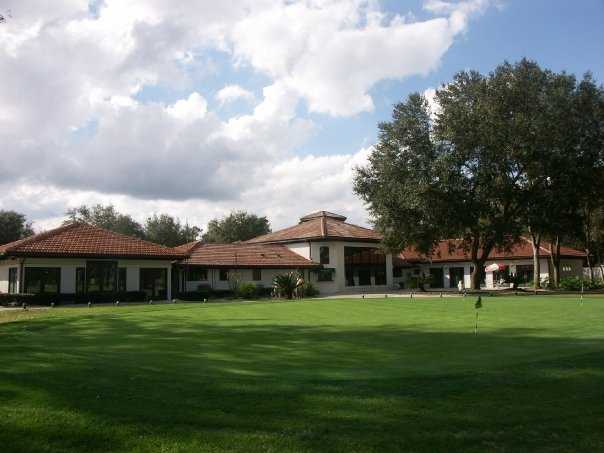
[455, 276]
[154, 282]
[437, 277]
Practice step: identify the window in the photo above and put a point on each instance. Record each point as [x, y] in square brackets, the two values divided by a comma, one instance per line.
[364, 266]
[80, 280]
[101, 276]
[121, 279]
[257, 275]
[397, 272]
[12, 281]
[42, 280]
[223, 275]
[325, 275]
[154, 282]
[197, 275]
[324, 255]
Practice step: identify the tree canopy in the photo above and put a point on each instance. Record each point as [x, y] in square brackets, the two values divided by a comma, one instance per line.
[516, 151]
[162, 229]
[106, 217]
[166, 230]
[237, 226]
[13, 226]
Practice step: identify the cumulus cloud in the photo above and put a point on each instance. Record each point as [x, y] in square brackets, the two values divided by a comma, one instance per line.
[76, 125]
[232, 93]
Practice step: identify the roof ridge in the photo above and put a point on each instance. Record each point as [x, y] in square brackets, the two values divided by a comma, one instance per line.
[38, 236]
[132, 238]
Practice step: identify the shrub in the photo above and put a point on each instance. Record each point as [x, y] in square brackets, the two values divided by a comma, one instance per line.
[286, 284]
[574, 284]
[307, 289]
[247, 290]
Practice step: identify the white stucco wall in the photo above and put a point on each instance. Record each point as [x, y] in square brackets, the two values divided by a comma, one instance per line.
[68, 268]
[568, 267]
[337, 262]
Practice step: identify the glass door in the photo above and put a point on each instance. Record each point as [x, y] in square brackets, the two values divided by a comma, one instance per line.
[154, 282]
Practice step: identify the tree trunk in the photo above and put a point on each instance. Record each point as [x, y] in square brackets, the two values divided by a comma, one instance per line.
[536, 243]
[555, 255]
[478, 265]
[589, 266]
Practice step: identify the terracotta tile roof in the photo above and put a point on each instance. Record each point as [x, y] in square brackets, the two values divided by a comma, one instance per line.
[247, 255]
[83, 240]
[188, 247]
[320, 225]
[447, 251]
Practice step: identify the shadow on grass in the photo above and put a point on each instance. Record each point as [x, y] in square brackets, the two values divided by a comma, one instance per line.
[177, 384]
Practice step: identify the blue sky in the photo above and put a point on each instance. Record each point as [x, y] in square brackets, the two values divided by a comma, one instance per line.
[197, 108]
[560, 35]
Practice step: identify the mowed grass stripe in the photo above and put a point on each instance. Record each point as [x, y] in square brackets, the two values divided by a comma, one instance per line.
[320, 375]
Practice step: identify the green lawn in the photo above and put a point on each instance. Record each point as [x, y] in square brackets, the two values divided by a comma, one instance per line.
[324, 375]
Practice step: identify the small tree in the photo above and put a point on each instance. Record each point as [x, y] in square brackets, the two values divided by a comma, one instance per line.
[167, 230]
[13, 226]
[286, 284]
[237, 226]
[106, 216]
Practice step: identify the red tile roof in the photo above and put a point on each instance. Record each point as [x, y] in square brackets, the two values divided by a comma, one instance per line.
[447, 250]
[84, 240]
[321, 225]
[240, 255]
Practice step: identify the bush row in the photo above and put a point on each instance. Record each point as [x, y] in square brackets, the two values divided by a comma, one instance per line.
[576, 283]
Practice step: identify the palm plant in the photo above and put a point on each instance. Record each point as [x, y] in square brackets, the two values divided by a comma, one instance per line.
[285, 285]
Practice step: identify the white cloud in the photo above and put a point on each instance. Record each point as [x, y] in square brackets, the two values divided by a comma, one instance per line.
[333, 53]
[232, 93]
[76, 126]
[433, 105]
[193, 108]
[286, 191]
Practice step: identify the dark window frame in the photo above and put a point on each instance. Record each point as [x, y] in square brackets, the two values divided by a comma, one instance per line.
[92, 266]
[122, 279]
[81, 280]
[223, 275]
[325, 275]
[43, 281]
[191, 274]
[13, 280]
[324, 254]
[257, 274]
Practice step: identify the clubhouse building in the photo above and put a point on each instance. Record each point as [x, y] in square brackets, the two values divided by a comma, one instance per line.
[336, 256]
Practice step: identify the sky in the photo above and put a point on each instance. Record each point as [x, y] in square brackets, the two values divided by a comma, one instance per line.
[196, 108]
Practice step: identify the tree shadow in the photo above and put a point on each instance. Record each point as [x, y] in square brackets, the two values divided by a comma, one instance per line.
[183, 384]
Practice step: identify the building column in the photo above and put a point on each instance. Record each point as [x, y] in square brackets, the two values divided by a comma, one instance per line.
[169, 283]
[389, 271]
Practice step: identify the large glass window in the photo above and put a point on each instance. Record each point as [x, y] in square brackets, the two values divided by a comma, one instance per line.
[257, 275]
[456, 274]
[324, 255]
[325, 275]
[437, 277]
[80, 280]
[223, 276]
[121, 279]
[42, 280]
[101, 276]
[12, 280]
[154, 282]
[524, 273]
[196, 274]
[364, 266]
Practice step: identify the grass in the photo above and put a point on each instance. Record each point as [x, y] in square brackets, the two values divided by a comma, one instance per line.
[332, 375]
